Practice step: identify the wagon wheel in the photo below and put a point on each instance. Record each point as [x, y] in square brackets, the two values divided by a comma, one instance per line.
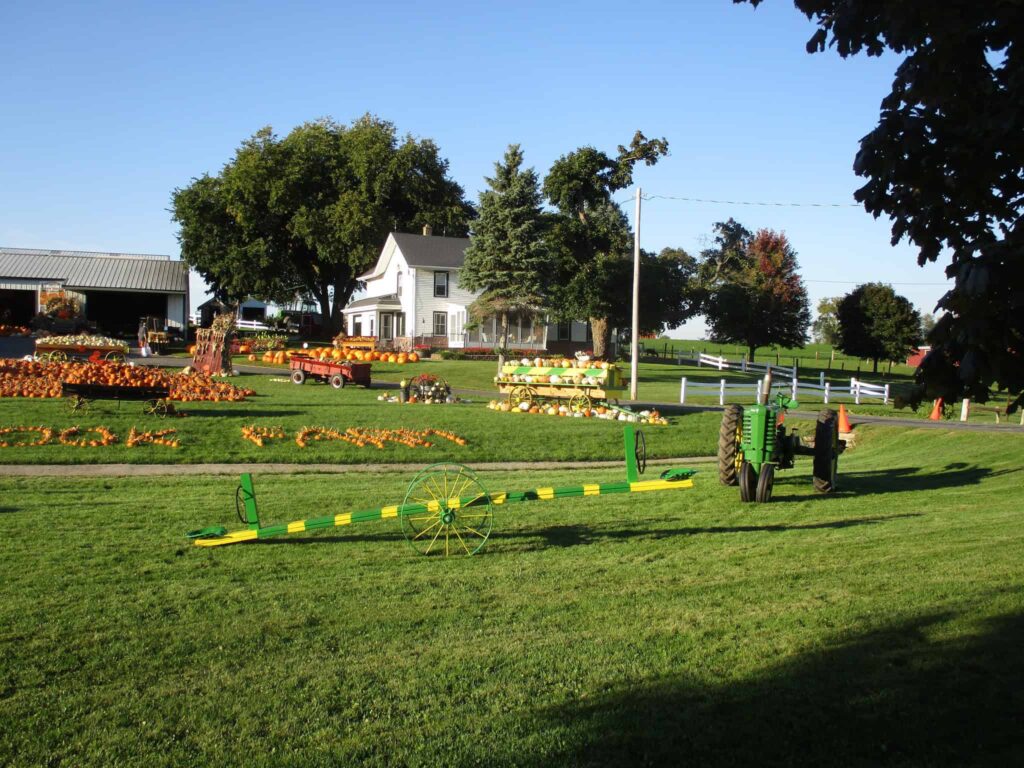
[449, 511]
[54, 356]
[115, 357]
[78, 404]
[522, 394]
[337, 381]
[640, 451]
[153, 408]
[298, 376]
[580, 403]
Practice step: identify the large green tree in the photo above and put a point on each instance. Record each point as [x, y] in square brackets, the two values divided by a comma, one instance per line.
[307, 214]
[877, 323]
[753, 294]
[946, 165]
[825, 329]
[508, 260]
[591, 235]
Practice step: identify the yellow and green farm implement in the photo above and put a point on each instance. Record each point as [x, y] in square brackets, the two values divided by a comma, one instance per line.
[446, 510]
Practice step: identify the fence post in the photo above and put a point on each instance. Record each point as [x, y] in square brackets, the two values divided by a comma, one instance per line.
[721, 392]
[885, 400]
[698, 361]
[965, 409]
[855, 390]
[828, 388]
[794, 387]
[743, 364]
[821, 380]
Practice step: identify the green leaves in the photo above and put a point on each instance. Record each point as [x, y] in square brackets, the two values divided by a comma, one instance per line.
[876, 323]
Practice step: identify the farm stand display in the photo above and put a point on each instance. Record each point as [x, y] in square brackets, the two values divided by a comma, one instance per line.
[445, 506]
[24, 378]
[14, 330]
[337, 373]
[581, 383]
[352, 343]
[80, 346]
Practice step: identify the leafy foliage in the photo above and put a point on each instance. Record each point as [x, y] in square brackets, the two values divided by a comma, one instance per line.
[590, 233]
[753, 294]
[309, 213]
[877, 323]
[946, 165]
[825, 329]
[508, 260]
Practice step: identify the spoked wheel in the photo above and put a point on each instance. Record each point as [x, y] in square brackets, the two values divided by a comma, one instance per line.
[56, 356]
[580, 403]
[748, 481]
[765, 483]
[640, 451]
[115, 357]
[447, 511]
[157, 407]
[826, 451]
[730, 437]
[522, 395]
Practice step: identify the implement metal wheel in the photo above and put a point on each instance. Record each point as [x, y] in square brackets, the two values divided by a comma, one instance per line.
[158, 407]
[522, 395]
[640, 451]
[446, 511]
[730, 437]
[298, 376]
[56, 356]
[115, 357]
[580, 403]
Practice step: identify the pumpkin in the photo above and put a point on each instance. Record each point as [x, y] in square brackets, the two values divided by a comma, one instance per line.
[414, 357]
[252, 357]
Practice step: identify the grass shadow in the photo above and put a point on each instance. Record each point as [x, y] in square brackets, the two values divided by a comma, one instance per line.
[248, 413]
[890, 697]
[896, 480]
[576, 535]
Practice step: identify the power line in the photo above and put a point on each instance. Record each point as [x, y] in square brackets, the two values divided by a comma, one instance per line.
[859, 282]
[775, 204]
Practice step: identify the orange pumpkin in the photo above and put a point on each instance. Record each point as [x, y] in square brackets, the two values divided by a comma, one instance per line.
[414, 357]
[252, 357]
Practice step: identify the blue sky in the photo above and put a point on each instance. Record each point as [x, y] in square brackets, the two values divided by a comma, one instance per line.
[107, 107]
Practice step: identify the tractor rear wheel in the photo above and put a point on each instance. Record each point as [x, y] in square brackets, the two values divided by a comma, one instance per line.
[765, 483]
[748, 481]
[730, 436]
[826, 451]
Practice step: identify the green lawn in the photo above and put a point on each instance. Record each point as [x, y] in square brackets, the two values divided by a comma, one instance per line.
[879, 626]
[212, 431]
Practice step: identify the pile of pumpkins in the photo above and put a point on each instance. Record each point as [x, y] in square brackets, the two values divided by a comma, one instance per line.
[597, 412]
[32, 379]
[338, 354]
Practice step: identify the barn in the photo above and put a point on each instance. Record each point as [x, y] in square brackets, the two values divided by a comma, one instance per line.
[114, 289]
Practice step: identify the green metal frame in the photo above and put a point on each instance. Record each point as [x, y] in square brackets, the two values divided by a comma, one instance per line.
[444, 505]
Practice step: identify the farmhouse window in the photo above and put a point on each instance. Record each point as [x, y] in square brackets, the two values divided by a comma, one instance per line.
[440, 324]
[440, 286]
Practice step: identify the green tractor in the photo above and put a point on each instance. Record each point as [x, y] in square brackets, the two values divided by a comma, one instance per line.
[753, 443]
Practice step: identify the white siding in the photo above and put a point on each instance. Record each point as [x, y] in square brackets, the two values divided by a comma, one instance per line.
[456, 303]
[387, 282]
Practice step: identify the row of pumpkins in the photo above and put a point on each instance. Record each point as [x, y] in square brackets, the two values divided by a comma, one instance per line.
[32, 379]
[322, 354]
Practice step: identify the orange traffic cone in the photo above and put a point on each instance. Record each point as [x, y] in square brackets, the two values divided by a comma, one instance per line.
[844, 421]
[936, 414]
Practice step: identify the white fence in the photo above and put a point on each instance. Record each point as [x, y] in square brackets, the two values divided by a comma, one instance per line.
[858, 390]
[724, 364]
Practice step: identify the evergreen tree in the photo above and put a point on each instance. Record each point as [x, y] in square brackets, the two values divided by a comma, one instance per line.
[508, 258]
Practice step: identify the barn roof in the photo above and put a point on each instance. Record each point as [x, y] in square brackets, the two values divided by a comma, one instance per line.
[88, 270]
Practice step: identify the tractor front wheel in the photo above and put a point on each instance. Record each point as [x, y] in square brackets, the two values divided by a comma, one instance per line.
[765, 483]
[730, 436]
[748, 481]
[826, 451]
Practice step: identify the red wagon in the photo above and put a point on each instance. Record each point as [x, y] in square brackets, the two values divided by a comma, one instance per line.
[337, 373]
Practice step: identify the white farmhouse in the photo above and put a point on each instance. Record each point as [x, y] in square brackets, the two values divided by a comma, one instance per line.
[413, 299]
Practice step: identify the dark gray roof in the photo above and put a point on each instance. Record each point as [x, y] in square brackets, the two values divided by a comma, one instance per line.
[390, 300]
[89, 270]
[432, 250]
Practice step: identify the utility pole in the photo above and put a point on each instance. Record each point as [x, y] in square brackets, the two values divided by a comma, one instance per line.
[635, 347]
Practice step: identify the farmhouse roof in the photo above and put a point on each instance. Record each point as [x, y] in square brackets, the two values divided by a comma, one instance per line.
[432, 250]
[391, 300]
[97, 271]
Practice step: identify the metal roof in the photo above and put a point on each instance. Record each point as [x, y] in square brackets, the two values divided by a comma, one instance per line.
[432, 250]
[88, 270]
[389, 301]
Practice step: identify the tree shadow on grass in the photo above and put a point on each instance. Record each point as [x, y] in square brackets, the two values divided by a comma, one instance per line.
[896, 480]
[891, 697]
[243, 414]
[576, 535]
